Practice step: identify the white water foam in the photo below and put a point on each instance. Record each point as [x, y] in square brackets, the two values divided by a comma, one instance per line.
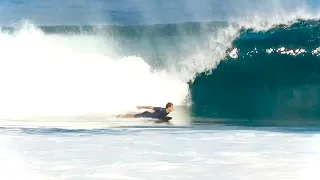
[43, 75]
[12, 166]
[316, 51]
[164, 153]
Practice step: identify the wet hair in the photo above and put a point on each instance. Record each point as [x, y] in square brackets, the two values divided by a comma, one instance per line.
[169, 104]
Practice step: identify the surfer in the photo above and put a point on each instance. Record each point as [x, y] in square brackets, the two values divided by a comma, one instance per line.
[159, 112]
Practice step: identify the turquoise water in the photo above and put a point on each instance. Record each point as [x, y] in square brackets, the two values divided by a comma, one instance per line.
[243, 75]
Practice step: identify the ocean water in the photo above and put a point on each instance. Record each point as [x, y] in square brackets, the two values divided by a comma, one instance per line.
[243, 75]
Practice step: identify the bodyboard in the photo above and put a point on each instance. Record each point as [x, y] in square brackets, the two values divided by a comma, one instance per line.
[163, 120]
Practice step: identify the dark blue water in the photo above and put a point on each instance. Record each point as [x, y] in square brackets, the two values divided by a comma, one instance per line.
[262, 83]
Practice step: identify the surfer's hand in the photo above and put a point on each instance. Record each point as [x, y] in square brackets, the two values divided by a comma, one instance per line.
[138, 107]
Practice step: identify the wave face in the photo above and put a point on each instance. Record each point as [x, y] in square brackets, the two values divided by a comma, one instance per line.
[266, 75]
[256, 67]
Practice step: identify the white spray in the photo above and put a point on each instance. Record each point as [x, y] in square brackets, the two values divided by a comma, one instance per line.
[44, 75]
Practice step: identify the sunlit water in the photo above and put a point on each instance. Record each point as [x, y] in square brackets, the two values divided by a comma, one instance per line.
[159, 153]
[48, 76]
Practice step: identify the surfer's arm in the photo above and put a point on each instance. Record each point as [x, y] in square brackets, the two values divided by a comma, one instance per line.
[145, 107]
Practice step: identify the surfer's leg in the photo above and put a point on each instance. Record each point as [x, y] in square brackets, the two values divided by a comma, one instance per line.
[145, 114]
[127, 116]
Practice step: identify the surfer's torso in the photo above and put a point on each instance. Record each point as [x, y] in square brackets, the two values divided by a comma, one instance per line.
[158, 113]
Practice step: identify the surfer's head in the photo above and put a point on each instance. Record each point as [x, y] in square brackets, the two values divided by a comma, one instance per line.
[169, 107]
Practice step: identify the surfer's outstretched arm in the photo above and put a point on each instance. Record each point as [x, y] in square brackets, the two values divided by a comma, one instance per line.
[145, 107]
[129, 115]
